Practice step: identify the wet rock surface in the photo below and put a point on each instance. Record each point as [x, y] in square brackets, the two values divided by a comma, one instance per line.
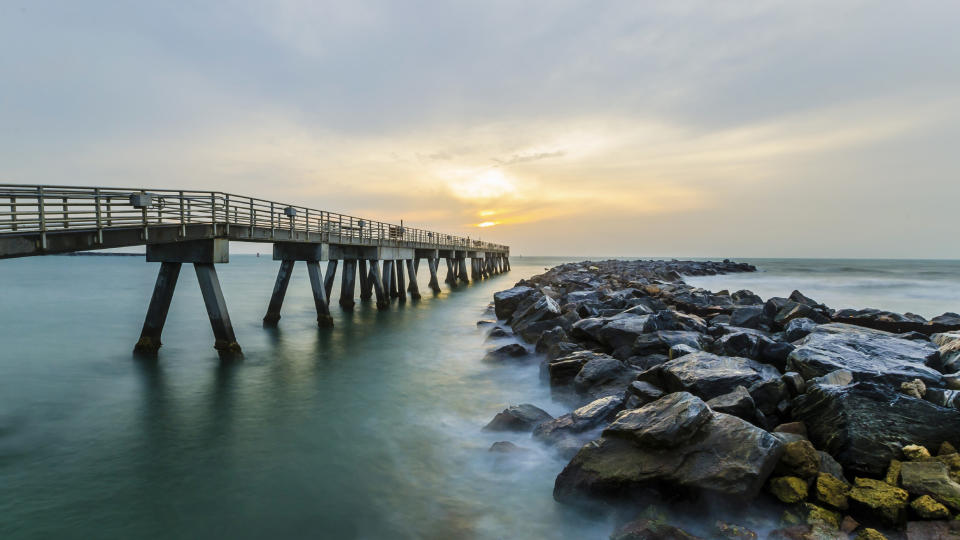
[677, 393]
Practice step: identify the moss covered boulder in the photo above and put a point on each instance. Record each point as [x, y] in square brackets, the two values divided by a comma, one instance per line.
[821, 518]
[893, 473]
[879, 502]
[830, 491]
[870, 534]
[789, 489]
[915, 452]
[651, 529]
[926, 507]
[799, 459]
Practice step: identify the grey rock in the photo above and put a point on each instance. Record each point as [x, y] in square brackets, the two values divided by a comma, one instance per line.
[930, 478]
[795, 383]
[523, 417]
[799, 328]
[725, 455]
[748, 317]
[868, 354]
[506, 302]
[865, 424]
[707, 375]
[666, 423]
[505, 353]
[737, 403]
[645, 391]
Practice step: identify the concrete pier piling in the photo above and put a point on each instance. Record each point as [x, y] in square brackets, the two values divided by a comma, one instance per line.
[434, 283]
[225, 340]
[348, 283]
[462, 263]
[330, 276]
[320, 298]
[414, 288]
[159, 306]
[388, 279]
[366, 288]
[451, 272]
[279, 291]
[401, 281]
[203, 254]
[376, 281]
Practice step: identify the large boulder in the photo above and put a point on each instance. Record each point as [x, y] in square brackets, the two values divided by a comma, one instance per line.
[707, 375]
[563, 369]
[506, 302]
[572, 430]
[865, 424]
[868, 354]
[506, 353]
[534, 309]
[602, 376]
[930, 478]
[748, 317]
[675, 444]
[521, 417]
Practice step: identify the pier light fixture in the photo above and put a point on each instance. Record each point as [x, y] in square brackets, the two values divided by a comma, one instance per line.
[290, 212]
[141, 200]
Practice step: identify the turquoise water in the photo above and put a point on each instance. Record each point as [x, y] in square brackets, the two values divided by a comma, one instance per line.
[368, 430]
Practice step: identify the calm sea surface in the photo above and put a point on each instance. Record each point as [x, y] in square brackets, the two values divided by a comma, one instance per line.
[368, 430]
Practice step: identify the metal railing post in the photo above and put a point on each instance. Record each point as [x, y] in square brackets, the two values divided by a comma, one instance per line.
[43, 219]
[273, 216]
[13, 213]
[226, 210]
[213, 212]
[146, 228]
[66, 216]
[96, 203]
[183, 225]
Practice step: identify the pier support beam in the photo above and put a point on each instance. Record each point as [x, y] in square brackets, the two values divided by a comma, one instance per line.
[451, 272]
[434, 283]
[279, 291]
[388, 279]
[331, 274]
[414, 287]
[376, 281]
[159, 306]
[225, 340]
[366, 287]
[401, 285]
[348, 278]
[320, 298]
[202, 254]
[462, 262]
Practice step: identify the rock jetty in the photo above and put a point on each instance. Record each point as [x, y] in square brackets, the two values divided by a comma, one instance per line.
[798, 420]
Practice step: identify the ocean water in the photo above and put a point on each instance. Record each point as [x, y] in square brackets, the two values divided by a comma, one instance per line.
[925, 287]
[371, 429]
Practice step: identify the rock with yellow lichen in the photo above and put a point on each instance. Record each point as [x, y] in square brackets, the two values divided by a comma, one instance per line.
[820, 517]
[926, 507]
[831, 492]
[800, 459]
[878, 501]
[789, 489]
[946, 448]
[870, 534]
[915, 452]
[893, 473]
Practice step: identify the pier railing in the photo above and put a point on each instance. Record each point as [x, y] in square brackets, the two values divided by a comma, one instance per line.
[43, 208]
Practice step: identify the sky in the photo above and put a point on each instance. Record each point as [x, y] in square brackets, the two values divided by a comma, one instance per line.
[716, 129]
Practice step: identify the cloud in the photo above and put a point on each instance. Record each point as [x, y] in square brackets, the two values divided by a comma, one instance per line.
[581, 126]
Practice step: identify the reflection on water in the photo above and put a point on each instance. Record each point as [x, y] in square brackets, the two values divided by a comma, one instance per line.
[369, 430]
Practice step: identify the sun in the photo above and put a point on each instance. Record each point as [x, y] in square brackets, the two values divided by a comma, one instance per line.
[486, 184]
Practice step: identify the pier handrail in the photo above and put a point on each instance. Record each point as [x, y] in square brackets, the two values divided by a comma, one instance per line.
[51, 208]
